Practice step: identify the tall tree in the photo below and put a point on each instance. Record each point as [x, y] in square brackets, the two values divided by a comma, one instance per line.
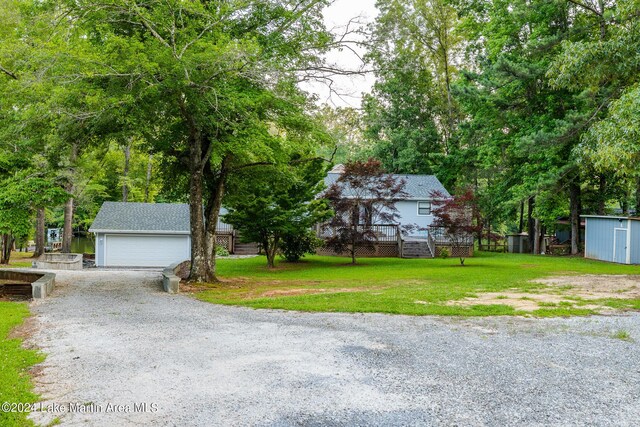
[604, 66]
[411, 115]
[212, 77]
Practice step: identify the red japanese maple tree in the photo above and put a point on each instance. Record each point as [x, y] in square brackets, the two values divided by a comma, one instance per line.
[456, 217]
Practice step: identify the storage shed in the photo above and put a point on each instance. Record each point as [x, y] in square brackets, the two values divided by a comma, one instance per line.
[612, 238]
[141, 234]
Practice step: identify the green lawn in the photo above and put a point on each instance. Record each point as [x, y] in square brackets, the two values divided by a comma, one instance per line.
[15, 383]
[408, 286]
[19, 260]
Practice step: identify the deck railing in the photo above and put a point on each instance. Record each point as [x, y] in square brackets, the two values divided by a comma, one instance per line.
[432, 244]
[440, 237]
[383, 232]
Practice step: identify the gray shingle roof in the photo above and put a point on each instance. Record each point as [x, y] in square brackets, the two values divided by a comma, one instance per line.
[419, 187]
[142, 218]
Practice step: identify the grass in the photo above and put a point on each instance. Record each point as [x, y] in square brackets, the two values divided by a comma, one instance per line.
[399, 286]
[15, 383]
[19, 260]
[621, 335]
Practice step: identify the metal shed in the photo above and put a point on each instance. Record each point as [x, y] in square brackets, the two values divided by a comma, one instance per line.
[612, 238]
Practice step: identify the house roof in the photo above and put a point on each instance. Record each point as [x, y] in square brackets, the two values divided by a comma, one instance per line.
[418, 187]
[128, 217]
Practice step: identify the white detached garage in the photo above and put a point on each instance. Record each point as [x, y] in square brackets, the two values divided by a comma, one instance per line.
[141, 234]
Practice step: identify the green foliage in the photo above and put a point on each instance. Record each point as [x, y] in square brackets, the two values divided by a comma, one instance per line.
[221, 251]
[604, 68]
[411, 116]
[268, 204]
[19, 198]
[444, 253]
[15, 384]
[294, 246]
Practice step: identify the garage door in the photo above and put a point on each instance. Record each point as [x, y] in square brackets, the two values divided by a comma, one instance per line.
[145, 251]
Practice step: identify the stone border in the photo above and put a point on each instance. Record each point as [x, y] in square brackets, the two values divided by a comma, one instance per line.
[71, 261]
[42, 284]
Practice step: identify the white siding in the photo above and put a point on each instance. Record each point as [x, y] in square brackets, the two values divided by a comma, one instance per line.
[131, 250]
[408, 210]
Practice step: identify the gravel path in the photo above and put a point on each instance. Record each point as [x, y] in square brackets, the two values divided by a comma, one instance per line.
[112, 337]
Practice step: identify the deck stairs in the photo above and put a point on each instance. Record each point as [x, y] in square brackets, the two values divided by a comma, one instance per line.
[416, 247]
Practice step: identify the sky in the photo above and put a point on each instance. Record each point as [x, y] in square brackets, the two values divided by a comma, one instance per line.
[346, 91]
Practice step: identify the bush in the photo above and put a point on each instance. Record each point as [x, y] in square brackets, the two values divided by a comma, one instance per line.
[295, 246]
[444, 253]
[221, 251]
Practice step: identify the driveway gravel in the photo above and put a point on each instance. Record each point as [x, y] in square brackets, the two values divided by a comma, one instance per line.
[113, 338]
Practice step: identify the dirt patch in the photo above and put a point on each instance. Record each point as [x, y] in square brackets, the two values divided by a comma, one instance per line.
[251, 289]
[560, 291]
[25, 330]
[597, 286]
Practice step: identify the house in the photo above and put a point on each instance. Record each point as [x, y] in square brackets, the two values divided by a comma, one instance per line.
[412, 236]
[612, 238]
[141, 234]
[415, 209]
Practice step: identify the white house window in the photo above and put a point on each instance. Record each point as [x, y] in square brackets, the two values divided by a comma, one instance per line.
[424, 208]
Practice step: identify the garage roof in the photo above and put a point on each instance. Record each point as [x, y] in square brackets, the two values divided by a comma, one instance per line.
[129, 217]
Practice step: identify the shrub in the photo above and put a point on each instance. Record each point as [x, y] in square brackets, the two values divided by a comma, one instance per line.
[221, 251]
[444, 253]
[295, 246]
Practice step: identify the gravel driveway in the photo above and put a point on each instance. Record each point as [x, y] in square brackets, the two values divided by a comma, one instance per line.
[112, 337]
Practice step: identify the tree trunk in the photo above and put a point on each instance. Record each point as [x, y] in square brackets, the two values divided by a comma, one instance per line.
[602, 198]
[67, 231]
[536, 240]
[531, 222]
[125, 173]
[270, 249]
[574, 208]
[40, 232]
[148, 182]
[521, 224]
[637, 197]
[213, 212]
[200, 258]
[7, 243]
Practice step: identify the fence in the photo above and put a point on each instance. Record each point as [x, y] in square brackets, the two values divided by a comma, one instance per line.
[493, 247]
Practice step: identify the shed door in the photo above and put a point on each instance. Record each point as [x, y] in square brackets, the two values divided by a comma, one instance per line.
[126, 250]
[620, 245]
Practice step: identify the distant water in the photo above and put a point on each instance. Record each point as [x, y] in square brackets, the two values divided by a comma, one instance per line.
[83, 245]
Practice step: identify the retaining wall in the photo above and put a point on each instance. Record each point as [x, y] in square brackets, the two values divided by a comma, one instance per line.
[58, 261]
[42, 284]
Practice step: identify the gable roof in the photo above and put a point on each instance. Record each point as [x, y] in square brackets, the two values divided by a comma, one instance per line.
[418, 187]
[120, 217]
